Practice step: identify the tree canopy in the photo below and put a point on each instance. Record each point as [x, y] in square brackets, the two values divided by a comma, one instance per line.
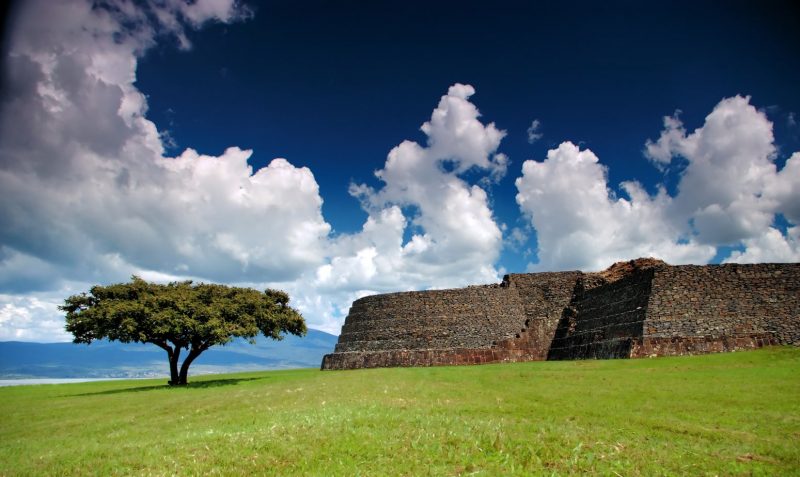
[179, 315]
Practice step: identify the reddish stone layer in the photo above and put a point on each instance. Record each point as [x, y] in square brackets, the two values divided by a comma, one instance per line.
[679, 346]
[426, 357]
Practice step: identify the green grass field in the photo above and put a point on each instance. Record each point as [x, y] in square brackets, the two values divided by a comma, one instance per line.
[725, 414]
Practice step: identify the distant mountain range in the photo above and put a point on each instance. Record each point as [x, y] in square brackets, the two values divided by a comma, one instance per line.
[106, 359]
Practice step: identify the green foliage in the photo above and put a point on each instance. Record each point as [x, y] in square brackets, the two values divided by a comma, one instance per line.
[179, 315]
[726, 414]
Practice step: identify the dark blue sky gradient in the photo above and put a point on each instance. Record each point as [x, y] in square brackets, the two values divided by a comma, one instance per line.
[335, 85]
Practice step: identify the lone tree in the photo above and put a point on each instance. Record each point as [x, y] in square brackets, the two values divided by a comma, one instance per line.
[179, 315]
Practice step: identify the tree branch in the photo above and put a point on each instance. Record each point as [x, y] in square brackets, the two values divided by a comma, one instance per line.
[161, 344]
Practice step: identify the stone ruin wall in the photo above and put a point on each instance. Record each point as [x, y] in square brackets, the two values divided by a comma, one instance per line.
[701, 309]
[602, 318]
[646, 309]
[544, 297]
[440, 319]
[512, 321]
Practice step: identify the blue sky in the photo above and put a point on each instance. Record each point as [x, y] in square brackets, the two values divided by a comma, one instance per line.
[97, 182]
[335, 88]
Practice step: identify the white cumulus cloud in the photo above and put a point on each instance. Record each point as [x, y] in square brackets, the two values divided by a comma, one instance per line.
[455, 240]
[581, 224]
[30, 318]
[770, 246]
[88, 189]
[728, 195]
[89, 195]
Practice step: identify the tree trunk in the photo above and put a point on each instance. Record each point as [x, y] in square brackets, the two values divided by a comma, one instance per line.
[193, 353]
[174, 354]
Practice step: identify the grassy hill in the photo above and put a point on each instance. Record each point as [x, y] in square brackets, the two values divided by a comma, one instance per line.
[725, 414]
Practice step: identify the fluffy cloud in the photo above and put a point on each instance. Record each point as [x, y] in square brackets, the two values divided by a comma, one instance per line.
[456, 239]
[427, 227]
[88, 188]
[729, 194]
[783, 189]
[581, 224]
[730, 161]
[30, 318]
[88, 194]
[90, 197]
[770, 246]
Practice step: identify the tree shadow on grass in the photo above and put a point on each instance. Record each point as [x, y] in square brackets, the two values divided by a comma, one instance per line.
[210, 383]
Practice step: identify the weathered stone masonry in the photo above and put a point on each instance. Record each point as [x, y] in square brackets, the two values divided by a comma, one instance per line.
[634, 309]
